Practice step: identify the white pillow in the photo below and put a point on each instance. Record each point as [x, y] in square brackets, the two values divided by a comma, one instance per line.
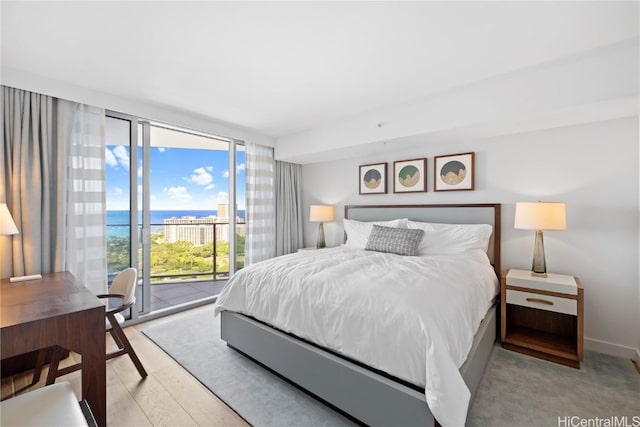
[358, 231]
[442, 239]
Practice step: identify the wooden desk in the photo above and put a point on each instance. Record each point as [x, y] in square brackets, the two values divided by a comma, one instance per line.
[57, 310]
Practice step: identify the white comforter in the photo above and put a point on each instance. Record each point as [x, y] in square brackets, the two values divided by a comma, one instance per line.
[412, 317]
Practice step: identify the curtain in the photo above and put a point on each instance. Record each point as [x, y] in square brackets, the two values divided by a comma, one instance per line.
[289, 214]
[82, 128]
[260, 194]
[32, 165]
[52, 179]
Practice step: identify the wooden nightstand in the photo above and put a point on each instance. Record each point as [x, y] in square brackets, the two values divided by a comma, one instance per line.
[542, 316]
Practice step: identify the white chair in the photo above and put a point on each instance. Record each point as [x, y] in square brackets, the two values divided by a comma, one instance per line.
[124, 288]
[54, 405]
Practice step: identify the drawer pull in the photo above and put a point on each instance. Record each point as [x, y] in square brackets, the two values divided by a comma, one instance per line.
[540, 301]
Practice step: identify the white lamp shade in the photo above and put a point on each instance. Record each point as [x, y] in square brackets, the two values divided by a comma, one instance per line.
[7, 226]
[319, 213]
[541, 216]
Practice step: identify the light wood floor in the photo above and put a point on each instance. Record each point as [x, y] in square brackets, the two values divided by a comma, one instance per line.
[169, 396]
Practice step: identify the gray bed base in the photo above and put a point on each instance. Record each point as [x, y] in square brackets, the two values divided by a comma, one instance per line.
[365, 395]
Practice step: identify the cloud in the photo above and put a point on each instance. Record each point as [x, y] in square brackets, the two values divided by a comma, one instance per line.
[209, 187]
[109, 158]
[200, 176]
[116, 191]
[177, 193]
[239, 168]
[161, 149]
[209, 168]
[222, 197]
[122, 155]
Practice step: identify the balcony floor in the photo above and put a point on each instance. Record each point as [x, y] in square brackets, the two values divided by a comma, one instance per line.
[167, 295]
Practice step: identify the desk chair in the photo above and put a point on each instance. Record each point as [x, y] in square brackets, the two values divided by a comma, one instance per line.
[53, 406]
[124, 288]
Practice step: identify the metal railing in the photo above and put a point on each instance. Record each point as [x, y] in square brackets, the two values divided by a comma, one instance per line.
[197, 234]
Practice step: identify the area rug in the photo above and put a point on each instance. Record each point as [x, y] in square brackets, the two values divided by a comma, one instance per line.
[516, 390]
[519, 390]
[260, 397]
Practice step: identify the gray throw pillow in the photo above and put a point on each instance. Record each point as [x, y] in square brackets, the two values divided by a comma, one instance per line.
[399, 241]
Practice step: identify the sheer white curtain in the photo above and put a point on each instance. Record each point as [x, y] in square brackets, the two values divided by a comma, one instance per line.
[82, 128]
[261, 213]
[289, 217]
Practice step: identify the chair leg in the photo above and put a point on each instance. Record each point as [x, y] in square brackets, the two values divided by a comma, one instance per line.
[37, 370]
[53, 365]
[116, 339]
[129, 349]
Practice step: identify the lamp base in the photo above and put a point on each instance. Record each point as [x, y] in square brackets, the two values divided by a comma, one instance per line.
[320, 243]
[539, 266]
[533, 273]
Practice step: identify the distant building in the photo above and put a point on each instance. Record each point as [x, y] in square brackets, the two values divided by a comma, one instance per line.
[200, 231]
[223, 210]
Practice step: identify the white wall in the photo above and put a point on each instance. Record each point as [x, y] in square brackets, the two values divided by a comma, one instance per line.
[592, 167]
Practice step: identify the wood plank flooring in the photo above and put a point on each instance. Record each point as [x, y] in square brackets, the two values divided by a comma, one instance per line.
[169, 396]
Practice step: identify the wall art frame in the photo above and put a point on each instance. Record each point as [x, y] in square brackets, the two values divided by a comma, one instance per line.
[373, 178]
[410, 176]
[454, 172]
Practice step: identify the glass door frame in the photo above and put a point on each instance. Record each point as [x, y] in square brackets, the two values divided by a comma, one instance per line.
[134, 240]
[146, 217]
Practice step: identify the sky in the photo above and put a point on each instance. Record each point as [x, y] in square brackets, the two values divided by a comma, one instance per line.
[181, 179]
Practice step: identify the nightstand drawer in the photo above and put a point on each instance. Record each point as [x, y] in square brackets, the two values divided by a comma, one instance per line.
[543, 302]
[552, 282]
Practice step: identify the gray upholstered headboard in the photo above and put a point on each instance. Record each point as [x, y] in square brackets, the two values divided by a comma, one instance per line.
[484, 213]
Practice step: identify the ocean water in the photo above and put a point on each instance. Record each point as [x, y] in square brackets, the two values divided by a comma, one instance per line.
[118, 221]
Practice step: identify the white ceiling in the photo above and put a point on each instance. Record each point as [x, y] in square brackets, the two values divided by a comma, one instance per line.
[282, 67]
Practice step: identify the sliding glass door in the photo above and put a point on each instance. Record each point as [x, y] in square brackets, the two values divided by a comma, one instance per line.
[180, 219]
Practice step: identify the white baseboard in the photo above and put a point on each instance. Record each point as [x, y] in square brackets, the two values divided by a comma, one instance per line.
[611, 349]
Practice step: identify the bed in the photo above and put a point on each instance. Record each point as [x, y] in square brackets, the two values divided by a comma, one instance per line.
[314, 320]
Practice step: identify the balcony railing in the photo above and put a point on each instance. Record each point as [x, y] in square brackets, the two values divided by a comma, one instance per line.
[179, 251]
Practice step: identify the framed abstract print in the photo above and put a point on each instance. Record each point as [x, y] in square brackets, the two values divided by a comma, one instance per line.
[410, 176]
[454, 172]
[373, 178]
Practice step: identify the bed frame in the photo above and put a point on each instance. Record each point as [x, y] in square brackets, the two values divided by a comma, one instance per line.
[364, 394]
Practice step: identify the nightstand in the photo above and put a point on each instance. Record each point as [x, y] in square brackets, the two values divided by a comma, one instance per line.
[543, 316]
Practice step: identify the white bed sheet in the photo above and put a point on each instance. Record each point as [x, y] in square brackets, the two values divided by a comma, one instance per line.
[412, 317]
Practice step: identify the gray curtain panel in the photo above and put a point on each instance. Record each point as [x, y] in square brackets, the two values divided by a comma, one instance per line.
[289, 237]
[32, 165]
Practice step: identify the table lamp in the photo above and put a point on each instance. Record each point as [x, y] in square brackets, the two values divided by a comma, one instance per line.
[7, 226]
[320, 213]
[540, 216]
